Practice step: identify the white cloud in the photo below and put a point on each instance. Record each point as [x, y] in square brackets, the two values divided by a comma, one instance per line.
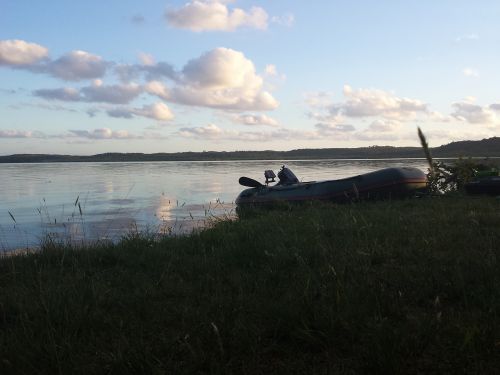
[271, 70]
[71, 135]
[325, 117]
[361, 104]
[321, 104]
[223, 78]
[73, 66]
[318, 100]
[371, 102]
[221, 68]
[462, 38]
[473, 113]
[20, 134]
[97, 92]
[446, 136]
[435, 116]
[260, 101]
[158, 89]
[368, 135]
[159, 70]
[127, 72]
[470, 72]
[334, 129]
[272, 76]
[210, 131]
[114, 94]
[157, 111]
[77, 66]
[214, 15]
[120, 113]
[287, 19]
[384, 126]
[388, 113]
[67, 94]
[253, 120]
[20, 53]
[215, 133]
[103, 133]
[377, 131]
[382, 130]
[148, 67]
[46, 106]
[281, 134]
[146, 59]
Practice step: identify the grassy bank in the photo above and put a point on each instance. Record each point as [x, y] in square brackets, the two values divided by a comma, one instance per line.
[390, 287]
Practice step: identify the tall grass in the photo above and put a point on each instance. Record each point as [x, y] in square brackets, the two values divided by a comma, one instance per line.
[406, 287]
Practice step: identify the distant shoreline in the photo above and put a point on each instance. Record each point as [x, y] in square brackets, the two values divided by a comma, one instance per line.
[481, 149]
[245, 160]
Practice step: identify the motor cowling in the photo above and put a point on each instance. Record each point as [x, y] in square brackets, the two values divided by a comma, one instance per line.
[287, 177]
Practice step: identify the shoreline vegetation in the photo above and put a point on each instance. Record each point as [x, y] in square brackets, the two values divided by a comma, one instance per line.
[410, 287]
[484, 148]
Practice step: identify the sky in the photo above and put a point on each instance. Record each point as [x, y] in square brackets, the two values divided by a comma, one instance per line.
[88, 77]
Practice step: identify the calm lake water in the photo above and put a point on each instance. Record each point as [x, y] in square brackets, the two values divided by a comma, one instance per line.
[104, 201]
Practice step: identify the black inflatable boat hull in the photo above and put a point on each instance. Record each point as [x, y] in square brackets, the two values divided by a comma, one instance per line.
[484, 185]
[385, 183]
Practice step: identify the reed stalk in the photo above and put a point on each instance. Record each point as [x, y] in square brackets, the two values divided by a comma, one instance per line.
[425, 146]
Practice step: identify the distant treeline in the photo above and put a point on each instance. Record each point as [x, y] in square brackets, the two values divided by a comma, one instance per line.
[484, 148]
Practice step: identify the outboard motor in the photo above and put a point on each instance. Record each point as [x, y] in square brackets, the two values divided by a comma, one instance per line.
[269, 175]
[287, 177]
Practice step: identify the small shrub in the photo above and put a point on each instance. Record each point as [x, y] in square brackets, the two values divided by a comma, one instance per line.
[445, 178]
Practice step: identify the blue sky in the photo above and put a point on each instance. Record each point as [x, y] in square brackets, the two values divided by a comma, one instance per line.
[167, 76]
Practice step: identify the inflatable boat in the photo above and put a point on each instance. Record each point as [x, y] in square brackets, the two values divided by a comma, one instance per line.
[484, 185]
[384, 183]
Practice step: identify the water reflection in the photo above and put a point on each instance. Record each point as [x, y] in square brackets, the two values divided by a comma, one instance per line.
[164, 208]
[114, 198]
